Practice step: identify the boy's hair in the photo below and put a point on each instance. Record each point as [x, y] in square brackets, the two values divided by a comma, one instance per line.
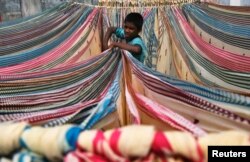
[136, 19]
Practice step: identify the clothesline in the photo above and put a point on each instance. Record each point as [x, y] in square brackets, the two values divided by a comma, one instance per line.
[137, 5]
[116, 7]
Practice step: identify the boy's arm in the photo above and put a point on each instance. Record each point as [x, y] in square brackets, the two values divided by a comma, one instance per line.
[136, 49]
[107, 36]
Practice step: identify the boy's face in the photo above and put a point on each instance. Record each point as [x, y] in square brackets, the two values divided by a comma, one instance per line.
[130, 30]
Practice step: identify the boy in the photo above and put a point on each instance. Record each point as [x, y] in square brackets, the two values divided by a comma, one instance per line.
[133, 42]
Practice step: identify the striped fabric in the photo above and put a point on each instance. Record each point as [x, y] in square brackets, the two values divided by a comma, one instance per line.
[225, 31]
[202, 69]
[121, 144]
[56, 85]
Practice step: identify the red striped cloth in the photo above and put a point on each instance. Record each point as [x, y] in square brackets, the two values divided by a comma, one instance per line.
[141, 143]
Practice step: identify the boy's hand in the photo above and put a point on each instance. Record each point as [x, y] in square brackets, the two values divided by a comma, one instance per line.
[136, 49]
[112, 45]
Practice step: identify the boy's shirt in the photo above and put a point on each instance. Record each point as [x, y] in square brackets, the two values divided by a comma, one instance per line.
[119, 32]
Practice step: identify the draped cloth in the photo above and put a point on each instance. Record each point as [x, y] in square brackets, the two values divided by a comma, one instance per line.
[30, 7]
[84, 104]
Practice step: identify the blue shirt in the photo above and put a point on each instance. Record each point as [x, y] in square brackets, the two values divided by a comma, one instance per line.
[136, 41]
